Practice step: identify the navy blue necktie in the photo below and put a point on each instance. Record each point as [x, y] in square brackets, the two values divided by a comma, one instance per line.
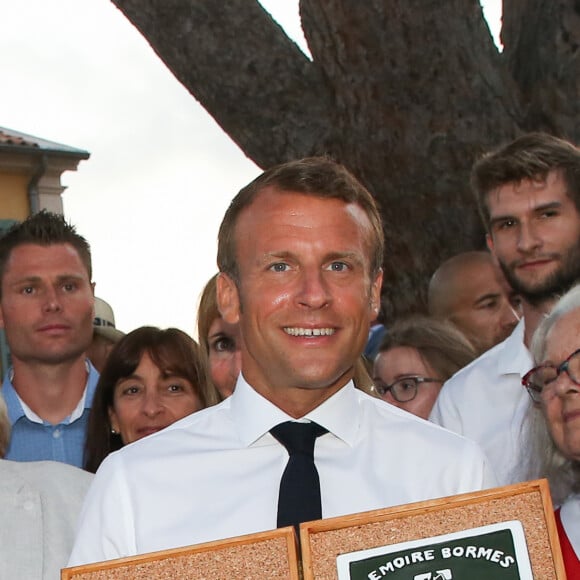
[299, 499]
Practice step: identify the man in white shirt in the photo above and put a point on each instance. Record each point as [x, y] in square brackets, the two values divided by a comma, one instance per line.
[529, 198]
[300, 253]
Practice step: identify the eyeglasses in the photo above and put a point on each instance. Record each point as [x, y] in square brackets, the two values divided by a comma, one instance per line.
[402, 390]
[539, 382]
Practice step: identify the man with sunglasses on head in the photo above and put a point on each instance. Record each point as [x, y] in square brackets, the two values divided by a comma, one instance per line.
[528, 194]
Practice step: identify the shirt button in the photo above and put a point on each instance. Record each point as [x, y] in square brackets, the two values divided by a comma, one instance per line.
[28, 505]
[56, 433]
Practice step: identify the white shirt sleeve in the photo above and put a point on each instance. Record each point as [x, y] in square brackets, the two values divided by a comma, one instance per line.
[107, 523]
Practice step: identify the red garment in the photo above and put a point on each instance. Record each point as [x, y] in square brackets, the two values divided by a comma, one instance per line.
[571, 562]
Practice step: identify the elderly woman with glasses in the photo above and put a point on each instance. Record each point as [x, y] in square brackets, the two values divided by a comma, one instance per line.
[553, 422]
[415, 358]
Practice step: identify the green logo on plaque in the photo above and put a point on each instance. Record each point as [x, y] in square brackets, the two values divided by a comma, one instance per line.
[477, 554]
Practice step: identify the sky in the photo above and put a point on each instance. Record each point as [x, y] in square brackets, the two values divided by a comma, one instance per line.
[161, 173]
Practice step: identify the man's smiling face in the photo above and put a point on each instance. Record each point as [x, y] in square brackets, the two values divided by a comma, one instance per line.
[306, 295]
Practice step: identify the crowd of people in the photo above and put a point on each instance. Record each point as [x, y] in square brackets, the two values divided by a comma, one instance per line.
[276, 416]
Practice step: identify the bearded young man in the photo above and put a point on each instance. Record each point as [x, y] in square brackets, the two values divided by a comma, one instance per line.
[528, 194]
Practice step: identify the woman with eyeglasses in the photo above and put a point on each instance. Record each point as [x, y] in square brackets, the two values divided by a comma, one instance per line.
[553, 422]
[415, 358]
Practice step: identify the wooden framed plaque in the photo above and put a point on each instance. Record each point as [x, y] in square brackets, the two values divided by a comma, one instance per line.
[272, 555]
[503, 533]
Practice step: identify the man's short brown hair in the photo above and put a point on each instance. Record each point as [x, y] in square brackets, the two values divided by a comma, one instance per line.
[316, 176]
[43, 229]
[532, 157]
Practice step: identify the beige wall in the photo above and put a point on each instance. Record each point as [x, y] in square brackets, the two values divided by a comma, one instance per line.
[14, 196]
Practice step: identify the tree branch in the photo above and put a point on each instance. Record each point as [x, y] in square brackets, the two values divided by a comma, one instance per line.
[241, 66]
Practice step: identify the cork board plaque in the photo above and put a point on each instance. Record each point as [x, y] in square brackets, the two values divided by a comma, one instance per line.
[440, 530]
[272, 555]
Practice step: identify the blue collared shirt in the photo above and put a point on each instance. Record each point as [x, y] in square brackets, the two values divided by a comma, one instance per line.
[35, 441]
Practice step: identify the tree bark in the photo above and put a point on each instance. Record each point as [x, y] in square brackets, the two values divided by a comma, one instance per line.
[414, 115]
[405, 93]
[544, 58]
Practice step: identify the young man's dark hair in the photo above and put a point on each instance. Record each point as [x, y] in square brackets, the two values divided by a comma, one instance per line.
[532, 157]
[43, 229]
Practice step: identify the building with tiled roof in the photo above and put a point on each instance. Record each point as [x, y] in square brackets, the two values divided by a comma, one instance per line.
[30, 172]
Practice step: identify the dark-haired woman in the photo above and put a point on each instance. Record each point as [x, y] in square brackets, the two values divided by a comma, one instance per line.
[152, 378]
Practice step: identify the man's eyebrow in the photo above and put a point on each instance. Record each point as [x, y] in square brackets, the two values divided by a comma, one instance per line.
[353, 256]
[539, 208]
[502, 218]
[488, 296]
[345, 254]
[331, 256]
[275, 255]
[27, 280]
[64, 277]
[549, 205]
[37, 279]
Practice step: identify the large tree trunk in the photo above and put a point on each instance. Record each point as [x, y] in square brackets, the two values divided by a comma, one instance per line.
[406, 93]
[544, 58]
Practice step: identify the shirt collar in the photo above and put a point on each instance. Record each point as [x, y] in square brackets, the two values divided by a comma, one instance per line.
[92, 381]
[514, 357]
[17, 408]
[254, 415]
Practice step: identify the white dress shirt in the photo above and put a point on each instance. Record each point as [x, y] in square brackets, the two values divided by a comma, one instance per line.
[486, 402]
[216, 473]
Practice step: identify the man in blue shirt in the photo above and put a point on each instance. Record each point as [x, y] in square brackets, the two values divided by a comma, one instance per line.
[46, 310]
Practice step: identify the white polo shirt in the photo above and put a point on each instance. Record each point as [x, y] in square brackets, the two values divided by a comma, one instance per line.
[486, 402]
[216, 473]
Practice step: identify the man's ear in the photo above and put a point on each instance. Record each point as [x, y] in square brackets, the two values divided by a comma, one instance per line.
[489, 242]
[228, 299]
[93, 291]
[1, 316]
[375, 297]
